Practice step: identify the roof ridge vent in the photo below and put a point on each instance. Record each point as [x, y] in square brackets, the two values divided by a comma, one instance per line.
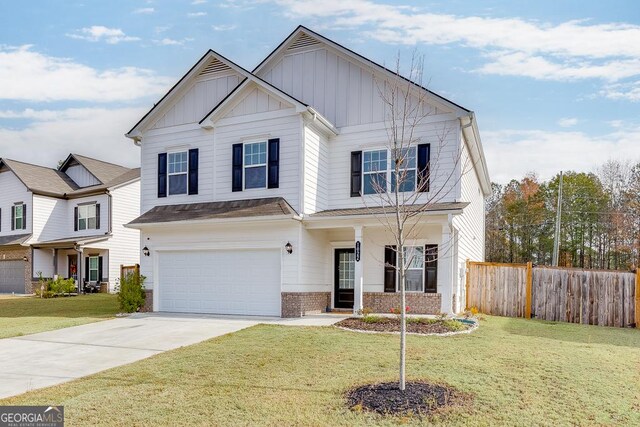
[303, 40]
[214, 66]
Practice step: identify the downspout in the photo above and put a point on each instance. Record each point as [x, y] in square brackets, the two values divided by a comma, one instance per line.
[110, 205]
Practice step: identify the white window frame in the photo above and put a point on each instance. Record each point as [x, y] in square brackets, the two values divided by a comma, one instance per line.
[87, 218]
[390, 170]
[421, 269]
[265, 164]
[96, 269]
[170, 174]
[16, 217]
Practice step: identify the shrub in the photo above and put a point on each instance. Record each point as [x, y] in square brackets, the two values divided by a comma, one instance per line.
[373, 319]
[62, 286]
[131, 295]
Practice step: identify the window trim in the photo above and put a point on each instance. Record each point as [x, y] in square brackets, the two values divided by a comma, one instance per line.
[97, 269]
[15, 216]
[265, 165]
[422, 289]
[185, 173]
[389, 171]
[95, 216]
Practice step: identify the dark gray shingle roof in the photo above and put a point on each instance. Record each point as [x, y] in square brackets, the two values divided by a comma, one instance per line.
[379, 210]
[15, 239]
[273, 206]
[104, 171]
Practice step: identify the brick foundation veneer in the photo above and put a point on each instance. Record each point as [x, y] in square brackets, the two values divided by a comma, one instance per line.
[418, 303]
[297, 304]
[148, 301]
[18, 254]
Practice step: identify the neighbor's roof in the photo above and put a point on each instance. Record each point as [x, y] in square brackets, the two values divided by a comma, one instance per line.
[54, 182]
[273, 206]
[70, 241]
[380, 210]
[13, 240]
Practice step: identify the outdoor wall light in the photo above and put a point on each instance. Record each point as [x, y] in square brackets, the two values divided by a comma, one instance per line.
[145, 251]
[24, 258]
[288, 247]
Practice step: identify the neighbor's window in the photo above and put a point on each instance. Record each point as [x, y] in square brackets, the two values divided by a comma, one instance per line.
[414, 273]
[87, 217]
[255, 165]
[93, 269]
[18, 219]
[177, 168]
[374, 169]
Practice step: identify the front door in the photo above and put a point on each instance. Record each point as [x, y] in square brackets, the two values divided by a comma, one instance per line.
[73, 267]
[344, 277]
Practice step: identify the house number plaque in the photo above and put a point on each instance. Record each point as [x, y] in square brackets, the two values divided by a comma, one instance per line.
[358, 251]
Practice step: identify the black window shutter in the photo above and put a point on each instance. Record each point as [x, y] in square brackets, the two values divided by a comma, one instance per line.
[162, 174]
[431, 269]
[424, 154]
[389, 268]
[86, 269]
[356, 173]
[274, 163]
[13, 218]
[99, 269]
[75, 219]
[193, 171]
[236, 184]
[24, 217]
[97, 216]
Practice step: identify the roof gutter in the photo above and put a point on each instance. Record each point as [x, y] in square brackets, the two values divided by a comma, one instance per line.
[194, 222]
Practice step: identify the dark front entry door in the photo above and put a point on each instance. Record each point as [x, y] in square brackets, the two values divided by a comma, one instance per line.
[344, 277]
[73, 267]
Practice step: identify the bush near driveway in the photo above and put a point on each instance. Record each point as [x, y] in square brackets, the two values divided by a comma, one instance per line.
[131, 294]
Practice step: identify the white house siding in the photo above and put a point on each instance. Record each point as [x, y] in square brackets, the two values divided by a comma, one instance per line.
[13, 191]
[124, 245]
[50, 219]
[257, 101]
[43, 263]
[177, 138]
[315, 261]
[247, 235]
[470, 225]
[288, 128]
[316, 163]
[443, 137]
[197, 100]
[68, 229]
[81, 176]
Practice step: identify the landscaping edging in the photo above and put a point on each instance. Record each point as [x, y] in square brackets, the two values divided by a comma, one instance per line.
[444, 334]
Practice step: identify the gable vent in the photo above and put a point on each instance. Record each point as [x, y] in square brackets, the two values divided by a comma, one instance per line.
[215, 66]
[303, 40]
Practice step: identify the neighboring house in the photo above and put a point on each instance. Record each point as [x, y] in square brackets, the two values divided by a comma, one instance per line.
[251, 187]
[66, 222]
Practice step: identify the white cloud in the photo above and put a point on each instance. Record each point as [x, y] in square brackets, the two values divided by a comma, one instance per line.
[27, 75]
[99, 33]
[567, 122]
[198, 2]
[196, 14]
[547, 153]
[54, 134]
[223, 27]
[172, 42]
[144, 11]
[628, 91]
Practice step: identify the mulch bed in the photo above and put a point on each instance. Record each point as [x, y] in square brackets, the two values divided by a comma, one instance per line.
[418, 398]
[392, 324]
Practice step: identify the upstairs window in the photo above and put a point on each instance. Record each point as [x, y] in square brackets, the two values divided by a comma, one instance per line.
[374, 169]
[87, 217]
[19, 220]
[177, 166]
[407, 172]
[255, 165]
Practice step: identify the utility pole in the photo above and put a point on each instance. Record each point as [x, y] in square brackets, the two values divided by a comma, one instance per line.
[556, 236]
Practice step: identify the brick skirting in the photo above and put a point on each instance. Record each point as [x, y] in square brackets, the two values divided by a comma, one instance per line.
[18, 254]
[297, 304]
[418, 303]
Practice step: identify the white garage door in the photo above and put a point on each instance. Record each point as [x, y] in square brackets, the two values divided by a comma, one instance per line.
[221, 282]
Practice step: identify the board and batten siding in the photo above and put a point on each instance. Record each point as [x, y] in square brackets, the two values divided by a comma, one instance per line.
[257, 101]
[13, 191]
[316, 165]
[81, 176]
[198, 99]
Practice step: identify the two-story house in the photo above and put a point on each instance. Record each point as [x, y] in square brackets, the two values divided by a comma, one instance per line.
[66, 222]
[257, 188]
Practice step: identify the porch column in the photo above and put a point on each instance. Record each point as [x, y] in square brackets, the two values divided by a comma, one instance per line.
[358, 282]
[55, 263]
[445, 265]
[79, 271]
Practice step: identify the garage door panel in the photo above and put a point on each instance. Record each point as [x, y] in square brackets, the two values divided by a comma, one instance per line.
[224, 282]
[12, 276]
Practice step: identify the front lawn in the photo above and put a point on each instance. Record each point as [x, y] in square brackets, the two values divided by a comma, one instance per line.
[518, 372]
[28, 315]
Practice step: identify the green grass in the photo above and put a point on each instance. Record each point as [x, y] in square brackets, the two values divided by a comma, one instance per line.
[517, 372]
[28, 315]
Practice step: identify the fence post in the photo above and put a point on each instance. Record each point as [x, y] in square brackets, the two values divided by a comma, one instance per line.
[638, 297]
[527, 307]
[466, 286]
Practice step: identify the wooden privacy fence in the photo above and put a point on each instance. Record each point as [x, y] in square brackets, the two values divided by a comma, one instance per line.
[594, 297]
[126, 269]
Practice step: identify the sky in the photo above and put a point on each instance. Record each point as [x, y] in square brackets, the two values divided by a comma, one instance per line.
[555, 84]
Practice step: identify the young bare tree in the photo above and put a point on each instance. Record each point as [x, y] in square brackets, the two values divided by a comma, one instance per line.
[415, 184]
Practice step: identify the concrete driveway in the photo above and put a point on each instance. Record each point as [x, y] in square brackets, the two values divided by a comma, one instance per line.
[48, 358]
